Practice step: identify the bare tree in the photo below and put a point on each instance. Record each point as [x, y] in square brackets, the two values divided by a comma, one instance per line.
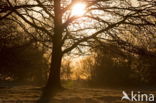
[52, 23]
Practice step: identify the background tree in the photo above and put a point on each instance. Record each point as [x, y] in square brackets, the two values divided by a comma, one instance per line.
[20, 58]
[66, 69]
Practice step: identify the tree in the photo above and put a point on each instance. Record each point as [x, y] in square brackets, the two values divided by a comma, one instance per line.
[55, 27]
[20, 58]
[66, 69]
[23, 64]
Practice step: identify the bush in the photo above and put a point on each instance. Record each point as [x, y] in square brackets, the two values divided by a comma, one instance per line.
[25, 63]
[116, 68]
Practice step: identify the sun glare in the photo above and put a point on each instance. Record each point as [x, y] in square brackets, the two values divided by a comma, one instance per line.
[78, 9]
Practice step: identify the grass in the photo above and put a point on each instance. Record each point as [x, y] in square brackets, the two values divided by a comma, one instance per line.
[30, 94]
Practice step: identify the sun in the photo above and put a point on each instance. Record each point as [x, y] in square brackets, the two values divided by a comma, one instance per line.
[78, 9]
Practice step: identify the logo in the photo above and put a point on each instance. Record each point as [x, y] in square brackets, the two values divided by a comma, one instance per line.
[137, 96]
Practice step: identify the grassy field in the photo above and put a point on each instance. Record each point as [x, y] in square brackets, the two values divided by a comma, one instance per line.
[30, 94]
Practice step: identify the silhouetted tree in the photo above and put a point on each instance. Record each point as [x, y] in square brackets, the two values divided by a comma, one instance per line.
[64, 33]
[116, 67]
[24, 63]
[20, 58]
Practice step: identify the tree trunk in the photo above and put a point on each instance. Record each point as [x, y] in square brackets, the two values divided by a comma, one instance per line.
[54, 83]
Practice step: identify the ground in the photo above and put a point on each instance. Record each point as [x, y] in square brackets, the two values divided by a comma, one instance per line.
[30, 94]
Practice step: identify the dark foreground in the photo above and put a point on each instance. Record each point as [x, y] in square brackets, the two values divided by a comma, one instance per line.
[30, 94]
